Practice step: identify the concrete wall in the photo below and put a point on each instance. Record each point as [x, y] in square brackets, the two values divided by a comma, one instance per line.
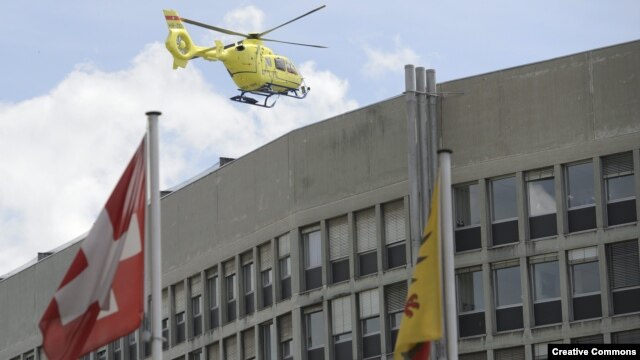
[543, 109]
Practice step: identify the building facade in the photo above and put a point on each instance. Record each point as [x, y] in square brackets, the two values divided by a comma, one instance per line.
[300, 249]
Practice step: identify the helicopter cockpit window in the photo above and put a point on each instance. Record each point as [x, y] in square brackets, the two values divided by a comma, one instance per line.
[267, 61]
[280, 64]
[291, 68]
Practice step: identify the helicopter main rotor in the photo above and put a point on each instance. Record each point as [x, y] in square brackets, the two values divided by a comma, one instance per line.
[257, 36]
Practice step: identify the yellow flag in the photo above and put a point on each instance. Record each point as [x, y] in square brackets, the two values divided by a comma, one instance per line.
[422, 319]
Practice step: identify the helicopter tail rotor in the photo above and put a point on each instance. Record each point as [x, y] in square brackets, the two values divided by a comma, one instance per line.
[178, 41]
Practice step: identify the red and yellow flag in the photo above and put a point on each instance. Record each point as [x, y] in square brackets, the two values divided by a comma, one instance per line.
[422, 319]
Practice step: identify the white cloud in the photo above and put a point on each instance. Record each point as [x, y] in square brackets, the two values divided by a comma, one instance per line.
[381, 60]
[245, 19]
[63, 151]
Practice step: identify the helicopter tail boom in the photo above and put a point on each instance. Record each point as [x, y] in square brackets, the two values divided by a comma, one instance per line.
[180, 44]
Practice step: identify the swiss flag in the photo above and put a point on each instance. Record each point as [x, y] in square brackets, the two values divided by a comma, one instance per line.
[101, 296]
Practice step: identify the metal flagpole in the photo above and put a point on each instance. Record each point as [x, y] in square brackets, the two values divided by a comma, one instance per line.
[154, 231]
[446, 226]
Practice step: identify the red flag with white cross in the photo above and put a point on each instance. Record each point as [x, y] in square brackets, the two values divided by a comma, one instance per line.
[100, 298]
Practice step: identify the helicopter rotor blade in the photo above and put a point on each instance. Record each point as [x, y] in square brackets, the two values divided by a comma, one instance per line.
[294, 43]
[289, 22]
[214, 28]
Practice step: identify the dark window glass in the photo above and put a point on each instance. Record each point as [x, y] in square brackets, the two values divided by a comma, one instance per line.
[180, 328]
[508, 290]
[312, 250]
[196, 312]
[623, 267]
[470, 292]
[467, 206]
[212, 293]
[470, 303]
[503, 199]
[314, 330]
[619, 182]
[165, 334]
[542, 197]
[580, 188]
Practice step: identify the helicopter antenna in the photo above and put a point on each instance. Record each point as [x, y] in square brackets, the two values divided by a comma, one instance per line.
[288, 22]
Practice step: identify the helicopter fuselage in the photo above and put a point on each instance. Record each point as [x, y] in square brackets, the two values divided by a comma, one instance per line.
[253, 66]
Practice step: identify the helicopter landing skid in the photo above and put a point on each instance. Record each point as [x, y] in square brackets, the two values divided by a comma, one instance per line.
[242, 98]
[266, 93]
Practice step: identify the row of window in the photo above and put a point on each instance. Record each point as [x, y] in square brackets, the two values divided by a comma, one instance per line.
[545, 275]
[539, 351]
[231, 289]
[577, 184]
[275, 337]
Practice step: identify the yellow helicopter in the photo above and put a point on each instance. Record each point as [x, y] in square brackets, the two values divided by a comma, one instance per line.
[253, 67]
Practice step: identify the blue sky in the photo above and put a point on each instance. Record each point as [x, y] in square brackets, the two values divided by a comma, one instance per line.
[78, 76]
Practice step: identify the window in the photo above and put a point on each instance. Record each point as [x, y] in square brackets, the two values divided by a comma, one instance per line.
[230, 348]
[268, 351]
[366, 242]
[581, 214]
[545, 280]
[280, 64]
[165, 319]
[514, 353]
[180, 309]
[248, 283]
[212, 294]
[213, 351]
[180, 327]
[285, 337]
[133, 345]
[100, 355]
[312, 246]
[540, 351]
[617, 173]
[339, 249]
[541, 196]
[395, 296]
[341, 328]
[592, 339]
[585, 283]
[117, 350]
[284, 266]
[370, 323]
[481, 355]
[291, 68]
[266, 275]
[626, 337]
[314, 332]
[30, 355]
[195, 286]
[165, 334]
[508, 295]
[248, 344]
[230, 289]
[395, 233]
[623, 267]
[467, 210]
[196, 355]
[196, 315]
[470, 288]
[268, 61]
[504, 212]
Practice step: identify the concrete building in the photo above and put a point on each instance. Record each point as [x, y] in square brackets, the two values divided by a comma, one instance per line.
[299, 249]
